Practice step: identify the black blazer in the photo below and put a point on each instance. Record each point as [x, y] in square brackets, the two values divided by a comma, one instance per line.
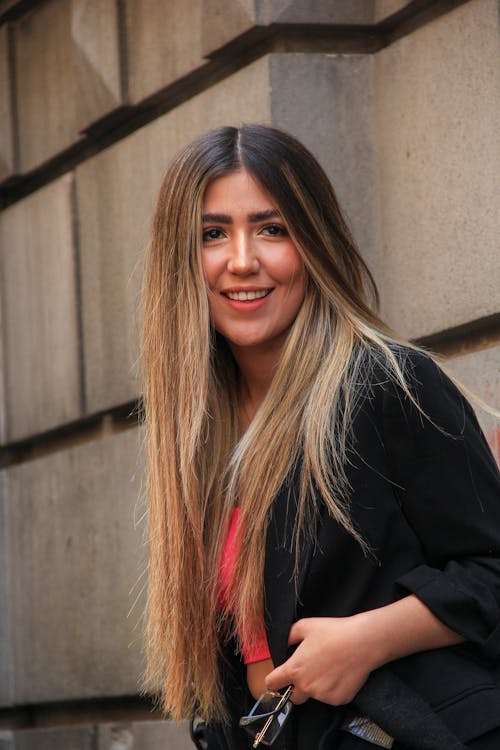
[426, 497]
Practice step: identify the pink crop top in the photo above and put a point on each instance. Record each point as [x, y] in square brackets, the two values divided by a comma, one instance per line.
[260, 651]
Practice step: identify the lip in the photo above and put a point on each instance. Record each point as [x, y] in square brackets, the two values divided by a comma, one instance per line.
[247, 305]
[233, 289]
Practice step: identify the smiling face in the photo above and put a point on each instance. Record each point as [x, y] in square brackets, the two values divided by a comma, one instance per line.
[253, 270]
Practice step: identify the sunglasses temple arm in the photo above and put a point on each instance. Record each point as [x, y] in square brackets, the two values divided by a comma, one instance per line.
[260, 736]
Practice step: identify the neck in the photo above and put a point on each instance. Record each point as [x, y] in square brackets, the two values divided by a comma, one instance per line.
[257, 367]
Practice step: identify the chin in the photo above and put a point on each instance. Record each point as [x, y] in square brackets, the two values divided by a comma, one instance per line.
[245, 338]
[246, 343]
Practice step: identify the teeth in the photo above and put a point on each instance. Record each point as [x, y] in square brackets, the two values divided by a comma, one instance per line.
[246, 296]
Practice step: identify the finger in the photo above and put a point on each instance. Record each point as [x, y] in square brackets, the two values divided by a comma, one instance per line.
[296, 633]
[298, 696]
[278, 678]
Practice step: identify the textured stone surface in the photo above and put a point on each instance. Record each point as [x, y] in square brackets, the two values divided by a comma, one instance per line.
[55, 738]
[6, 122]
[144, 735]
[436, 95]
[37, 287]
[76, 570]
[68, 73]
[385, 8]
[116, 191]
[480, 373]
[312, 11]
[333, 116]
[115, 198]
[6, 683]
[156, 59]
[222, 22]
[342, 12]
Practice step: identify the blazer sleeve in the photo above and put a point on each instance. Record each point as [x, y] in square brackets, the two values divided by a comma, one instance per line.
[448, 485]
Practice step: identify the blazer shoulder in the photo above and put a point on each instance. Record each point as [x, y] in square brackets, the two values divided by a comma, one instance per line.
[422, 380]
[431, 401]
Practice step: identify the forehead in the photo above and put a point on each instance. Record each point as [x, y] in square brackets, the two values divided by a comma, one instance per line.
[238, 192]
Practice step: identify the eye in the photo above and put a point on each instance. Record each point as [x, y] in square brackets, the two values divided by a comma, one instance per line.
[274, 230]
[212, 234]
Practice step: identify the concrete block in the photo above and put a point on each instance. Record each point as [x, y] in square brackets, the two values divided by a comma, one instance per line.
[6, 674]
[78, 561]
[145, 735]
[327, 102]
[436, 97]
[116, 191]
[7, 159]
[480, 373]
[223, 22]
[115, 194]
[163, 43]
[68, 73]
[39, 312]
[342, 12]
[312, 11]
[386, 8]
[55, 738]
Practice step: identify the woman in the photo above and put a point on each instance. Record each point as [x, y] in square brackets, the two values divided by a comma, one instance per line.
[324, 511]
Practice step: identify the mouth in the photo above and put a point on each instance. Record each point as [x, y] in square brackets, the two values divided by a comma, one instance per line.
[247, 296]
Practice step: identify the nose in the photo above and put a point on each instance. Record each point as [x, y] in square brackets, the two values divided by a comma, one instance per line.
[243, 259]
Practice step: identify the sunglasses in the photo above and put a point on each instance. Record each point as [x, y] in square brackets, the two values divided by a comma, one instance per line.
[268, 716]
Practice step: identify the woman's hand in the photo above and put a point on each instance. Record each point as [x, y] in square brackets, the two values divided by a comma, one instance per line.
[335, 655]
[331, 662]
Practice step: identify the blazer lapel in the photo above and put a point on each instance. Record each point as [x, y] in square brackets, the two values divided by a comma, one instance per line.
[281, 589]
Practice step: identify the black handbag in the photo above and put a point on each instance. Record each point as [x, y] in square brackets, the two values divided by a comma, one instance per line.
[403, 713]
[206, 737]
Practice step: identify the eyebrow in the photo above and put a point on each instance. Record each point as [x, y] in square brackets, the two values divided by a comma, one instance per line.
[271, 213]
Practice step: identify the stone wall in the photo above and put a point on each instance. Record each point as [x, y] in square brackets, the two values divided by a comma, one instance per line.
[396, 98]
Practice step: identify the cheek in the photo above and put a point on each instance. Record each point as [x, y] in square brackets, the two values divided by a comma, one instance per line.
[296, 272]
[205, 267]
[212, 297]
[209, 276]
[209, 271]
[300, 281]
[299, 290]
[292, 263]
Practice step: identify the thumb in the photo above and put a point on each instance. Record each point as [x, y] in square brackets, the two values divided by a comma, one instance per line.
[297, 632]
[278, 678]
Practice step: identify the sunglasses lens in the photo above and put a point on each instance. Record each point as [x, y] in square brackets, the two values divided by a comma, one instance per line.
[265, 721]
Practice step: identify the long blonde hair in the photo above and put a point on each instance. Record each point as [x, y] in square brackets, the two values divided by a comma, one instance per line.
[198, 466]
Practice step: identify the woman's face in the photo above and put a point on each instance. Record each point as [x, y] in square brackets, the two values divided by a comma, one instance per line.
[254, 272]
